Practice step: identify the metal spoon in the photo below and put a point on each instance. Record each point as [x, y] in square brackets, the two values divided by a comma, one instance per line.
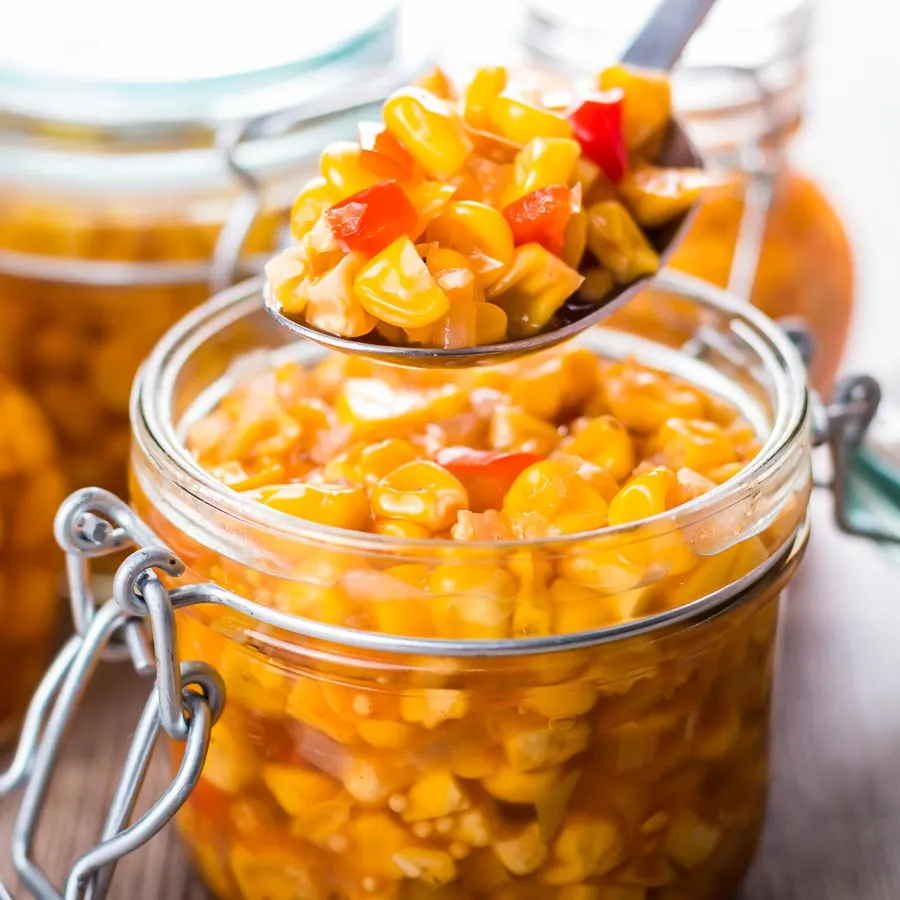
[658, 46]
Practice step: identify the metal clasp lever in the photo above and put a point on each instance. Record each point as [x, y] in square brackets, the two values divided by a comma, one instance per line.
[185, 701]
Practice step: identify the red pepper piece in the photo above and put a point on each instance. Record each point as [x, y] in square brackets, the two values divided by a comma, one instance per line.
[382, 154]
[371, 219]
[597, 126]
[486, 474]
[541, 217]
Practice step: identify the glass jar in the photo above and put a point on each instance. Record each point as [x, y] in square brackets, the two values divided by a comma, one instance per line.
[625, 761]
[771, 235]
[125, 191]
[31, 487]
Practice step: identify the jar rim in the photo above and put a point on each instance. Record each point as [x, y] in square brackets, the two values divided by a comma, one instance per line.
[156, 433]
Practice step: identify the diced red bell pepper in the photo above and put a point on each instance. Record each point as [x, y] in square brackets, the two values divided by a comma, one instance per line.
[486, 474]
[541, 217]
[382, 154]
[597, 126]
[372, 218]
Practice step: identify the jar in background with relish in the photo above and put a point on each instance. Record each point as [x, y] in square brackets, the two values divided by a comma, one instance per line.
[422, 710]
[771, 235]
[32, 485]
[126, 189]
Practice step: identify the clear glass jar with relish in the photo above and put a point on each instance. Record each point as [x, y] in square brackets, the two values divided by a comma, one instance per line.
[771, 235]
[126, 188]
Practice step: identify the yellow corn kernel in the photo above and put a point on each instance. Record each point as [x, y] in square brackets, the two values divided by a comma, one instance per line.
[434, 795]
[513, 429]
[486, 85]
[296, 788]
[587, 173]
[477, 231]
[375, 838]
[717, 732]
[314, 198]
[396, 287]
[230, 763]
[288, 275]
[432, 706]
[372, 781]
[537, 495]
[519, 121]
[400, 528]
[307, 704]
[438, 83]
[368, 464]
[643, 497]
[579, 608]
[430, 866]
[540, 389]
[648, 102]
[586, 846]
[575, 239]
[535, 748]
[606, 443]
[474, 762]
[584, 509]
[599, 479]
[648, 872]
[340, 506]
[428, 200]
[512, 786]
[696, 444]
[490, 324]
[332, 303]
[523, 851]
[721, 474]
[472, 601]
[378, 410]
[324, 821]
[597, 285]
[473, 826]
[421, 492]
[560, 701]
[690, 841]
[542, 162]
[532, 288]
[656, 195]
[618, 243]
[252, 680]
[429, 129]
[383, 734]
[601, 569]
[341, 167]
[271, 872]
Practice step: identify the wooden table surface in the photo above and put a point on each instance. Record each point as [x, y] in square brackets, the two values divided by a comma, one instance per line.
[834, 826]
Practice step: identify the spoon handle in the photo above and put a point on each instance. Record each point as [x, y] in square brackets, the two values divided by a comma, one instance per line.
[666, 33]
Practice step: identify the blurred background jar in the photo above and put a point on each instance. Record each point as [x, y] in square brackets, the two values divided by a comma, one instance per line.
[31, 487]
[771, 235]
[128, 188]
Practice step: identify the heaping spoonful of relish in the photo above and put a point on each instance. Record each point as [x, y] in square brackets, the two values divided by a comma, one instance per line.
[478, 224]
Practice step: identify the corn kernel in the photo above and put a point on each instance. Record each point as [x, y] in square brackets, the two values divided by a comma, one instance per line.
[230, 763]
[252, 680]
[587, 846]
[337, 506]
[438, 83]
[560, 701]
[307, 704]
[314, 198]
[396, 287]
[656, 195]
[696, 444]
[472, 601]
[575, 240]
[323, 823]
[372, 781]
[538, 747]
[341, 166]
[690, 841]
[429, 129]
[422, 492]
[288, 276]
[477, 231]
[272, 872]
[618, 243]
[432, 706]
[434, 795]
[428, 200]
[512, 786]
[386, 735]
[490, 324]
[522, 852]
[432, 867]
[515, 429]
[648, 102]
[606, 443]
[532, 288]
[542, 162]
[486, 85]
[297, 788]
[643, 497]
[517, 120]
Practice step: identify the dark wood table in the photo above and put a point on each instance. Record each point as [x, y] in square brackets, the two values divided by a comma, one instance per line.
[834, 826]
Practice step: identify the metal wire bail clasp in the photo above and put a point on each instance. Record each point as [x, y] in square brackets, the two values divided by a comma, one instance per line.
[185, 702]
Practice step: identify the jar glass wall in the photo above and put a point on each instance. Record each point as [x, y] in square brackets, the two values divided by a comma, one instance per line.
[31, 487]
[623, 760]
[771, 235]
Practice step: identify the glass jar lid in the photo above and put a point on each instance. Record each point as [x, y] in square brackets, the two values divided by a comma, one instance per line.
[103, 100]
